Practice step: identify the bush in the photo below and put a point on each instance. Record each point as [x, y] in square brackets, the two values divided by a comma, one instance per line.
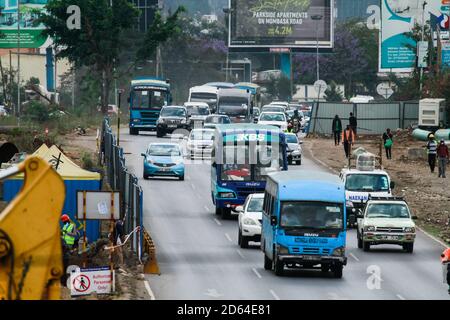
[37, 111]
[86, 161]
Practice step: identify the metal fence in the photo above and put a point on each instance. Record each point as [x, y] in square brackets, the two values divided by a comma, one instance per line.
[373, 118]
[120, 179]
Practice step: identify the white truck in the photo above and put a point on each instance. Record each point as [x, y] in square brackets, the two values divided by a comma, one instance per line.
[360, 182]
[432, 114]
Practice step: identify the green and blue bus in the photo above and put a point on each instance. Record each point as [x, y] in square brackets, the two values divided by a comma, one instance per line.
[147, 96]
[242, 157]
[255, 91]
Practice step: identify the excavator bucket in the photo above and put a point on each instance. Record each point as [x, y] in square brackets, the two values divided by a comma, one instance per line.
[30, 242]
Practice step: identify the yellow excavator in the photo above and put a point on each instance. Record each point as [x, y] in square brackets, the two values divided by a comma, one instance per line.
[30, 241]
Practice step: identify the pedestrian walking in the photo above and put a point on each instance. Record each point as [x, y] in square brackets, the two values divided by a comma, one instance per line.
[348, 138]
[353, 122]
[336, 128]
[387, 142]
[443, 156]
[445, 260]
[431, 150]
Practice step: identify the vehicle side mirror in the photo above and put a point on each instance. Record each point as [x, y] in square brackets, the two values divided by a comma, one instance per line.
[273, 220]
[239, 209]
[300, 142]
[143, 154]
[392, 185]
[414, 217]
[359, 214]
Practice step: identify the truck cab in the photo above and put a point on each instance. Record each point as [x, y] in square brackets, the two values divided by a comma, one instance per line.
[303, 222]
[360, 182]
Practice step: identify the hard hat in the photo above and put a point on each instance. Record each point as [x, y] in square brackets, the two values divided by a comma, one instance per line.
[431, 136]
[65, 218]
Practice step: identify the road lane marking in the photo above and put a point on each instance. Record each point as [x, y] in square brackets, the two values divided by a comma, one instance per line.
[206, 208]
[432, 237]
[149, 290]
[228, 237]
[274, 295]
[217, 221]
[400, 297]
[353, 256]
[240, 254]
[193, 186]
[257, 273]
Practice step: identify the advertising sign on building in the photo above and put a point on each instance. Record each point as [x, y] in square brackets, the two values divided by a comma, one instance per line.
[422, 53]
[281, 23]
[85, 281]
[445, 49]
[30, 31]
[398, 18]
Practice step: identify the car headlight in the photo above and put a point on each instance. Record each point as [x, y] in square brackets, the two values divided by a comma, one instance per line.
[150, 161]
[369, 228]
[178, 162]
[339, 251]
[136, 120]
[282, 250]
[249, 222]
[296, 152]
[349, 204]
[226, 195]
[409, 230]
[160, 120]
[183, 120]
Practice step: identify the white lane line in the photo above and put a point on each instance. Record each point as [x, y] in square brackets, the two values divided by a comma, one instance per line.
[400, 297]
[217, 221]
[188, 178]
[228, 237]
[149, 290]
[274, 295]
[353, 256]
[240, 254]
[256, 272]
[206, 208]
[193, 186]
[432, 237]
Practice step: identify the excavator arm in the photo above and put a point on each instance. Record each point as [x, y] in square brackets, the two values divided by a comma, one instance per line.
[30, 242]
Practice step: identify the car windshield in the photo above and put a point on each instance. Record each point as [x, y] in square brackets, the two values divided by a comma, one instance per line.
[366, 182]
[272, 109]
[218, 120]
[164, 150]
[203, 96]
[255, 205]
[291, 138]
[311, 215]
[202, 135]
[272, 117]
[173, 112]
[233, 108]
[198, 110]
[387, 210]
[148, 99]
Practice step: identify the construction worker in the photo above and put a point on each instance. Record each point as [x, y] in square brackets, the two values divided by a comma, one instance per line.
[69, 232]
[348, 138]
[432, 150]
[445, 260]
[443, 156]
[353, 122]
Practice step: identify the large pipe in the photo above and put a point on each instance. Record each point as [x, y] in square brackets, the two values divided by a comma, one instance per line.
[442, 134]
[420, 134]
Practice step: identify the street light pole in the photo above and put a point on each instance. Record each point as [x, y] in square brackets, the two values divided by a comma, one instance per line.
[317, 17]
[18, 59]
[422, 37]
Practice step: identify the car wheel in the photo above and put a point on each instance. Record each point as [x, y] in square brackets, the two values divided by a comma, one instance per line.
[298, 162]
[366, 246]
[267, 262]
[324, 268]
[360, 242]
[225, 214]
[218, 211]
[239, 237]
[145, 176]
[337, 270]
[279, 267]
[159, 133]
[134, 132]
[290, 161]
[408, 247]
[181, 177]
[244, 242]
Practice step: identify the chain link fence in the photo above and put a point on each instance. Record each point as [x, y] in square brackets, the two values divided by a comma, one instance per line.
[120, 179]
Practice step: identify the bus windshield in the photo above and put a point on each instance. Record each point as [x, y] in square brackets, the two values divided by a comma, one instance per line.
[148, 99]
[233, 106]
[311, 215]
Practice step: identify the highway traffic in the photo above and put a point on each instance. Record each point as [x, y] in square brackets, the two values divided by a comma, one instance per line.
[199, 256]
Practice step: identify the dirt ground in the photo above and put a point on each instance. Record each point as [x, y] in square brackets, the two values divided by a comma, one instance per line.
[427, 195]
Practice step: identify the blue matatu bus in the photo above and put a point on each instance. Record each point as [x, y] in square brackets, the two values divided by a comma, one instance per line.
[304, 222]
[242, 156]
[147, 96]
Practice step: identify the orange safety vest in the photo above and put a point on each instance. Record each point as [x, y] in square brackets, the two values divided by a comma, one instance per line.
[445, 257]
[348, 135]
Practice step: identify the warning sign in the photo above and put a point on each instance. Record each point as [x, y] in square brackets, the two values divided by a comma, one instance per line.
[85, 281]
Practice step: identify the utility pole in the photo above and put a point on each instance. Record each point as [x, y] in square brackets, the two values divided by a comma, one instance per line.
[422, 38]
[73, 87]
[18, 60]
[317, 18]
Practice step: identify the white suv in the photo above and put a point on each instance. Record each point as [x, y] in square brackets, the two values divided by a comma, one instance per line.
[386, 220]
[250, 219]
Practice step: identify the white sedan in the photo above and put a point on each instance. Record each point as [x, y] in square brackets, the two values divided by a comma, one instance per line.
[273, 118]
[250, 219]
[200, 143]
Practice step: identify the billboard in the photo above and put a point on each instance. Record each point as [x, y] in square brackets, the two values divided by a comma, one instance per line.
[30, 31]
[398, 17]
[281, 23]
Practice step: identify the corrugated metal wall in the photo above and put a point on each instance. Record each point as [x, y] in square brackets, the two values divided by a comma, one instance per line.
[373, 118]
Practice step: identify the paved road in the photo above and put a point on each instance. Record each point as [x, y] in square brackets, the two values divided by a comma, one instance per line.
[199, 257]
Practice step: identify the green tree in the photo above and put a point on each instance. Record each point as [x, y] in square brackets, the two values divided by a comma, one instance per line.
[333, 93]
[99, 42]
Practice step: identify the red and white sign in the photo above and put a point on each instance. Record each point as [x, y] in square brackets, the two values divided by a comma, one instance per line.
[89, 280]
